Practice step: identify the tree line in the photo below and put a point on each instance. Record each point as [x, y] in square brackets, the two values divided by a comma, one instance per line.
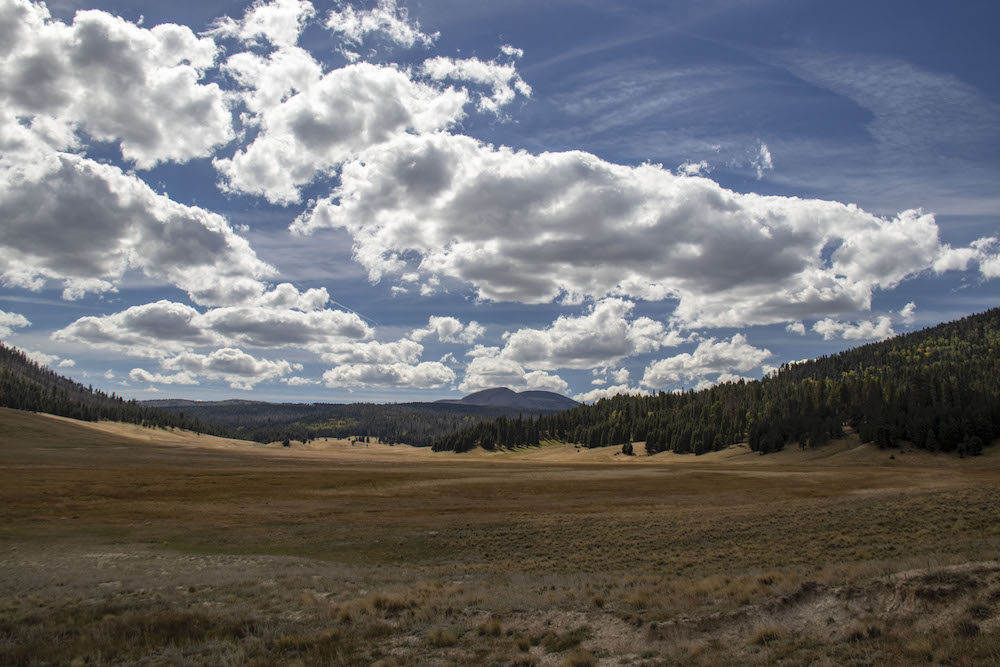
[937, 389]
[27, 385]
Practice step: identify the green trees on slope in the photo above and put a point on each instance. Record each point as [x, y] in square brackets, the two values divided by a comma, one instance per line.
[938, 389]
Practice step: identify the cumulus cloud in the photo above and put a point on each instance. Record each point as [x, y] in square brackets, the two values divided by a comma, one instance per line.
[449, 330]
[296, 381]
[164, 328]
[502, 78]
[595, 395]
[906, 313]
[425, 375]
[529, 228]
[11, 321]
[141, 375]
[239, 369]
[149, 330]
[266, 80]
[710, 357]
[485, 372]
[879, 329]
[724, 378]
[386, 20]
[979, 251]
[67, 363]
[41, 358]
[113, 80]
[258, 326]
[279, 22]
[796, 328]
[346, 111]
[73, 220]
[600, 338]
[373, 352]
[694, 168]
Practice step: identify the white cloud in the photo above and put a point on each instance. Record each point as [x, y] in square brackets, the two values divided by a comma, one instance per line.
[595, 395]
[118, 223]
[694, 168]
[529, 228]
[141, 375]
[41, 358]
[906, 313]
[67, 363]
[425, 375]
[958, 259]
[299, 382]
[279, 22]
[286, 295]
[267, 80]
[879, 329]
[333, 120]
[166, 328]
[113, 80]
[600, 338]
[502, 78]
[373, 352]
[239, 369]
[259, 326]
[761, 161]
[723, 378]
[512, 51]
[449, 330]
[108, 374]
[621, 376]
[797, 328]
[710, 357]
[148, 330]
[386, 19]
[11, 321]
[485, 372]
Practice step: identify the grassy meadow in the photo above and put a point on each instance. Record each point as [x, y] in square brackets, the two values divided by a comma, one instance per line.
[120, 545]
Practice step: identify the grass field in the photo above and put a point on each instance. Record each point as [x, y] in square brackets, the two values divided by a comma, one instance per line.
[124, 545]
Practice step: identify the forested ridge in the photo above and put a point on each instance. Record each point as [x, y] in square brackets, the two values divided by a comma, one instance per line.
[938, 389]
[26, 385]
[416, 424]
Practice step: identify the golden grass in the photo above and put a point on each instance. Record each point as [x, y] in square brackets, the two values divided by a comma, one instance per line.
[122, 546]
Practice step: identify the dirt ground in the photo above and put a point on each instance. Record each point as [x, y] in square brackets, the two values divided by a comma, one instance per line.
[123, 545]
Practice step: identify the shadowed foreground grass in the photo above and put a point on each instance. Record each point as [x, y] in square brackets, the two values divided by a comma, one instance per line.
[117, 551]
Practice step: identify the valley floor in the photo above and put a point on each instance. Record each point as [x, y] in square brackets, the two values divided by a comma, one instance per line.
[121, 545]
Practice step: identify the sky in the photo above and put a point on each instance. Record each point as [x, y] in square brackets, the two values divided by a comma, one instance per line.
[384, 201]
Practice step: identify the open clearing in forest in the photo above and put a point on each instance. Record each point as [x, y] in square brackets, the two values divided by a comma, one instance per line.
[127, 545]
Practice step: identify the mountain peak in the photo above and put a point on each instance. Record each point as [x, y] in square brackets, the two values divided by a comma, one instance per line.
[508, 398]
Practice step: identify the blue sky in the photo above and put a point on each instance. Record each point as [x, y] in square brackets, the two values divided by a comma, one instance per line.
[382, 201]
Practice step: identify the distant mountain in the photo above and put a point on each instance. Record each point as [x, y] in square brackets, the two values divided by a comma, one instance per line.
[502, 397]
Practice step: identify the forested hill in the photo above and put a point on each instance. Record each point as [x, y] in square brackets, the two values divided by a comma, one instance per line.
[25, 385]
[403, 423]
[938, 389]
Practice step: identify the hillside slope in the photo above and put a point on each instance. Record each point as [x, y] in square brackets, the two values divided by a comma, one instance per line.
[25, 385]
[938, 389]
